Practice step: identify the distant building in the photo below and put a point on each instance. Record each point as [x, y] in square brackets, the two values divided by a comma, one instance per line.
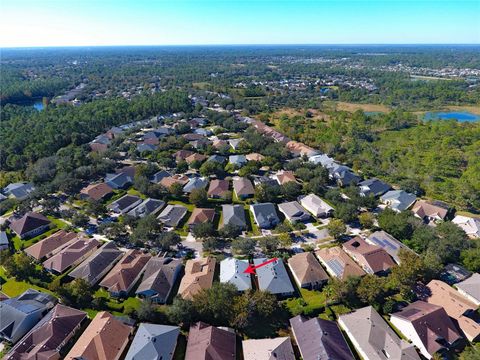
[96, 192]
[195, 183]
[147, 207]
[51, 245]
[468, 224]
[218, 188]
[373, 187]
[243, 188]
[19, 191]
[388, 243]
[200, 216]
[430, 211]
[4, 243]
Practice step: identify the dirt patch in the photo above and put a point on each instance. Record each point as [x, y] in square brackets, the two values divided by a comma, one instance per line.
[290, 112]
[352, 107]
[475, 109]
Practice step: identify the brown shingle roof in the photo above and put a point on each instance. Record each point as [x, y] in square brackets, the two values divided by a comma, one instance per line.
[200, 215]
[51, 245]
[243, 186]
[285, 177]
[170, 180]
[218, 187]
[195, 157]
[28, 222]
[306, 269]
[371, 257]
[334, 257]
[96, 191]
[254, 157]
[182, 154]
[424, 208]
[198, 275]
[207, 342]
[75, 252]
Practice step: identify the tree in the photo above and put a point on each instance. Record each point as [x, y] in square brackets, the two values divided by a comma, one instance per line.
[244, 246]
[336, 228]
[471, 353]
[285, 239]
[146, 310]
[371, 289]
[182, 311]
[96, 208]
[291, 190]
[268, 244]
[251, 307]
[203, 230]
[347, 212]
[176, 189]
[148, 229]
[214, 305]
[209, 168]
[166, 240]
[79, 219]
[182, 166]
[19, 266]
[366, 220]
[198, 197]
[398, 225]
[406, 275]
[230, 231]
[471, 259]
[266, 193]
[343, 290]
[210, 244]
[452, 240]
[77, 293]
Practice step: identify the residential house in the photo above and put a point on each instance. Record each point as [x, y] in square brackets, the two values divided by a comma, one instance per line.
[279, 348]
[273, 277]
[168, 181]
[243, 188]
[218, 188]
[51, 245]
[235, 143]
[105, 338]
[119, 180]
[203, 132]
[217, 158]
[458, 307]
[193, 136]
[50, 335]
[114, 132]
[373, 259]
[100, 143]
[300, 149]
[198, 275]
[200, 216]
[153, 342]
[255, 157]
[388, 243]
[181, 155]
[373, 187]
[126, 273]
[220, 144]
[284, 177]
[234, 215]
[307, 271]
[196, 158]
[338, 263]
[265, 181]
[98, 264]
[398, 200]
[206, 342]
[316, 206]
[18, 315]
[96, 192]
[124, 204]
[72, 255]
[322, 159]
[19, 191]
[159, 175]
[146, 147]
[233, 271]
[195, 183]
[30, 225]
[172, 215]
[265, 215]
[373, 338]
[470, 225]
[430, 211]
[454, 273]
[470, 288]
[319, 339]
[237, 160]
[200, 143]
[159, 278]
[4, 243]
[428, 327]
[147, 207]
[294, 212]
[343, 175]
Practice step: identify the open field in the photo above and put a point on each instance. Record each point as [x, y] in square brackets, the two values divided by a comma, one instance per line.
[474, 109]
[352, 107]
[291, 112]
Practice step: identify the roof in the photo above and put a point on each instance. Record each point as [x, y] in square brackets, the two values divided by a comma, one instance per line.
[174, 179]
[319, 339]
[123, 275]
[469, 224]
[3, 238]
[125, 203]
[307, 269]
[374, 338]
[182, 154]
[198, 275]
[172, 214]
[237, 159]
[234, 215]
[146, 147]
[373, 258]
[201, 215]
[18, 190]
[147, 207]
[153, 342]
[388, 243]
[293, 211]
[471, 286]
[285, 177]
[338, 263]
[300, 149]
[195, 157]
[195, 183]
[279, 348]
[454, 273]
[322, 159]
[265, 214]
[71, 254]
[160, 276]
[218, 187]
[431, 323]
[102, 260]
[455, 304]
[254, 157]
[159, 175]
[243, 187]
[105, 338]
[51, 245]
[398, 200]
[423, 208]
[96, 191]
[28, 222]
[232, 271]
[315, 204]
[217, 158]
[119, 180]
[207, 342]
[373, 187]
[49, 335]
[273, 277]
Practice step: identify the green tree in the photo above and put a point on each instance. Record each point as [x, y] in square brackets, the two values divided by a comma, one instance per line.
[366, 220]
[176, 189]
[371, 289]
[244, 246]
[268, 244]
[336, 228]
[230, 231]
[198, 197]
[182, 311]
[210, 244]
[203, 230]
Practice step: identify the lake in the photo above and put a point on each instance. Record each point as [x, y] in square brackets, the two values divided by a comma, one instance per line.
[38, 105]
[463, 116]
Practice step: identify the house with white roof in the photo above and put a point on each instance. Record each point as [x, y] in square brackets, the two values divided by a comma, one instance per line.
[232, 271]
[316, 206]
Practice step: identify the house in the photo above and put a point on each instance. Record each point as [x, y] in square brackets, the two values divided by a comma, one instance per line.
[168, 181]
[373, 259]
[193, 136]
[300, 149]
[322, 159]
[343, 175]
[218, 188]
[218, 159]
[307, 271]
[388, 243]
[338, 263]
[430, 211]
[195, 183]
[172, 215]
[147, 207]
[104, 338]
[255, 157]
[316, 206]
[114, 132]
[265, 215]
[233, 271]
[233, 215]
[428, 327]
[146, 147]
[454, 273]
[198, 275]
[220, 144]
[200, 143]
[458, 307]
[294, 212]
[235, 143]
[273, 277]
[237, 160]
[373, 187]
[203, 132]
[124, 204]
[119, 180]
[159, 278]
[470, 225]
[195, 158]
[51, 245]
[30, 225]
[200, 216]
[206, 342]
[100, 143]
[123, 276]
[398, 200]
[96, 192]
[159, 175]
[319, 339]
[72, 255]
[153, 342]
[98, 264]
[243, 188]
[19, 191]
[50, 335]
[285, 177]
[279, 348]
[181, 155]
[18, 315]
[265, 181]
[470, 288]
[373, 338]
[4, 243]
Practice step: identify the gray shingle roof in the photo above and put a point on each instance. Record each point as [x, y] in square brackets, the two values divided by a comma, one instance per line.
[153, 342]
[398, 200]
[273, 277]
[293, 211]
[18, 190]
[195, 183]
[172, 215]
[232, 271]
[124, 204]
[265, 215]
[147, 207]
[373, 187]
[158, 176]
[234, 214]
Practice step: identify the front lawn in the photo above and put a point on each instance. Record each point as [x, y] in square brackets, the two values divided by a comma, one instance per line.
[311, 302]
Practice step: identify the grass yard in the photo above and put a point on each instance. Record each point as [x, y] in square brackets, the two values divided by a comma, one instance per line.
[310, 302]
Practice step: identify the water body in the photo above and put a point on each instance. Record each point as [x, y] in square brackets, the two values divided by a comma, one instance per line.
[461, 116]
[38, 105]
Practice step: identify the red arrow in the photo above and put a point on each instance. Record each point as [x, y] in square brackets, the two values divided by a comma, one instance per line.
[251, 269]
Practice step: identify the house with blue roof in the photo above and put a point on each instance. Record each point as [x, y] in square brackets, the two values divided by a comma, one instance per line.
[273, 277]
[153, 342]
[19, 191]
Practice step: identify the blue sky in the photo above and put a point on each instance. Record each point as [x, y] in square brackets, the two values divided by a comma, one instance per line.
[171, 22]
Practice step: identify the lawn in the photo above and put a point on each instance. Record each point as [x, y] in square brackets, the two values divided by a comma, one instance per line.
[12, 287]
[56, 224]
[310, 302]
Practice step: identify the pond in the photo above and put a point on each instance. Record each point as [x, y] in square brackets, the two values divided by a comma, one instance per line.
[38, 105]
[461, 116]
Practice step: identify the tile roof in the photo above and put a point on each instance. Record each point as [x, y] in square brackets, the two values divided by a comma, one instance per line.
[285, 177]
[279, 348]
[153, 342]
[28, 222]
[306, 269]
[423, 208]
[243, 187]
[174, 179]
[254, 157]
[51, 244]
[207, 342]
[199, 275]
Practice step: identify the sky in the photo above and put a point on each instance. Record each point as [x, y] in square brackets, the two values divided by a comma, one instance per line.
[25, 23]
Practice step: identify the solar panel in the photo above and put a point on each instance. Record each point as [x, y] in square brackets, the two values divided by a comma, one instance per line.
[336, 267]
